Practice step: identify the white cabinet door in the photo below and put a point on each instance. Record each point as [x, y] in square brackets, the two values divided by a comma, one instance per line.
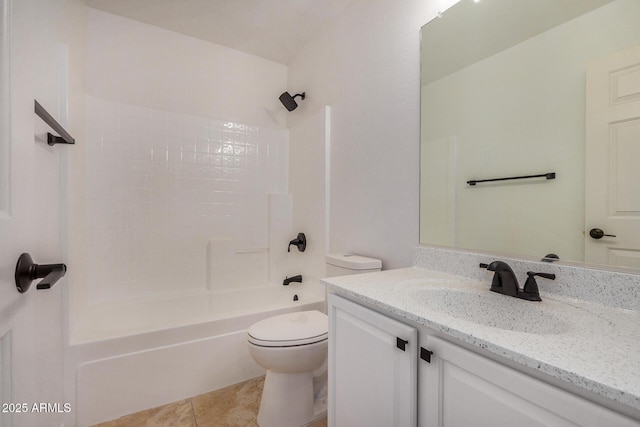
[461, 388]
[372, 381]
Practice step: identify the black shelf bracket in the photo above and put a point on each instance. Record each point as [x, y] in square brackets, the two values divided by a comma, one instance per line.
[550, 175]
[64, 137]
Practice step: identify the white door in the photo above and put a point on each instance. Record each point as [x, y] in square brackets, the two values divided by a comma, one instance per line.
[31, 324]
[612, 173]
[372, 368]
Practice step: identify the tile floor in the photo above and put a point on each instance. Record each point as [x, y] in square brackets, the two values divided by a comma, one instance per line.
[233, 406]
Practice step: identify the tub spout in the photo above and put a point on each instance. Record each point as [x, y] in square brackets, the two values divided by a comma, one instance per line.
[288, 280]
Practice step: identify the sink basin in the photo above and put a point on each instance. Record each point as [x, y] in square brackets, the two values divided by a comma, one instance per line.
[494, 310]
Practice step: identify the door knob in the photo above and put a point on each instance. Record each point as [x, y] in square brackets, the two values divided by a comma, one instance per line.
[27, 271]
[597, 233]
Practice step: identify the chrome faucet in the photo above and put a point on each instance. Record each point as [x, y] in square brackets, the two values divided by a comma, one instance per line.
[505, 281]
[288, 280]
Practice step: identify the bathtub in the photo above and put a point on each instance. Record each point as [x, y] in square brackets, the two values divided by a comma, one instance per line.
[134, 355]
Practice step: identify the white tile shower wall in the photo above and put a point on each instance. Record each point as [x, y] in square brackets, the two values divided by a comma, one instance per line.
[162, 185]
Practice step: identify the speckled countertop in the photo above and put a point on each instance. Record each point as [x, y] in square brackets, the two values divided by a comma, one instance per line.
[592, 346]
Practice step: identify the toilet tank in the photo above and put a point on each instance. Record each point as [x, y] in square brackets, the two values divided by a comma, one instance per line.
[345, 264]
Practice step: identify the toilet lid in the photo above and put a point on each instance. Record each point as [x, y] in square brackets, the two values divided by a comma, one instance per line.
[291, 329]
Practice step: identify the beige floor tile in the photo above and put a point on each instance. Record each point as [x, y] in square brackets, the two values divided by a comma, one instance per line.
[233, 406]
[177, 414]
[322, 422]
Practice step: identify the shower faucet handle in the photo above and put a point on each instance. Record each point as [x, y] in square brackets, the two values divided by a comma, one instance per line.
[300, 242]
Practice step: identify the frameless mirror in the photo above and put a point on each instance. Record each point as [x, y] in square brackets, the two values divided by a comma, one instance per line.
[517, 88]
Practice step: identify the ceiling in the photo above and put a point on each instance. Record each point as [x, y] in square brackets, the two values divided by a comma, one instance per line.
[271, 29]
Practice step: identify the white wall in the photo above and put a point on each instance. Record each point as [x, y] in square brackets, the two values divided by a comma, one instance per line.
[138, 64]
[366, 66]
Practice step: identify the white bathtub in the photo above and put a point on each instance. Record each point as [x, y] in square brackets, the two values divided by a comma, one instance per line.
[130, 356]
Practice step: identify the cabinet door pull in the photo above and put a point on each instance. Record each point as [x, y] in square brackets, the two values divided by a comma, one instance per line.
[401, 344]
[425, 354]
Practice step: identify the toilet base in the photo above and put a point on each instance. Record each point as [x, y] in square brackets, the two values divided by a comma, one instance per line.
[288, 400]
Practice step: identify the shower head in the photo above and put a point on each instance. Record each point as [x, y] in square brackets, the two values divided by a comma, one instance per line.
[289, 101]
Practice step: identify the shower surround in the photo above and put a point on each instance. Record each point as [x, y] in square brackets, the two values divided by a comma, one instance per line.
[162, 186]
[188, 223]
[183, 203]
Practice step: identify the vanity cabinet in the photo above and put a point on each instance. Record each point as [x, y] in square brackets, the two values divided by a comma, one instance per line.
[462, 388]
[373, 382]
[372, 368]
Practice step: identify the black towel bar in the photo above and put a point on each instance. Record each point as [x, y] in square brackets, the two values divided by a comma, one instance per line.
[64, 137]
[550, 175]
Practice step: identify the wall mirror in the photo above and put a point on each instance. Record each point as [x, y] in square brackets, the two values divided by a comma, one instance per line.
[513, 88]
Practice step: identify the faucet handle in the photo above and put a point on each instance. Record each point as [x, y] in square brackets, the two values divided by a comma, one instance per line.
[497, 266]
[300, 242]
[549, 276]
[530, 290]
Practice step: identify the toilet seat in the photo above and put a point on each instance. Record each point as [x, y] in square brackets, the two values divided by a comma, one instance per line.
[290, 330]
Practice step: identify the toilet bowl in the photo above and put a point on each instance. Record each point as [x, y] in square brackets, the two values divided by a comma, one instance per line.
[293, 349]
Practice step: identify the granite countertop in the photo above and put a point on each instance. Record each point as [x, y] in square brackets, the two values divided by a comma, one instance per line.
[590, 345]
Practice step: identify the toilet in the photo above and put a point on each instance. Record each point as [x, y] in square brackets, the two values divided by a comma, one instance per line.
[292, 348]
[346, 264]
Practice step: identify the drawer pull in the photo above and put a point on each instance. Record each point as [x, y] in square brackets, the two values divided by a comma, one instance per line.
[425, 354]
[401, 344]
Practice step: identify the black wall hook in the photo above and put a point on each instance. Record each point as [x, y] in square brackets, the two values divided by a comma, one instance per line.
[27, 271]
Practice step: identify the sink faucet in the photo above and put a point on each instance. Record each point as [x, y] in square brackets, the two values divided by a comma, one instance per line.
[288, 280]
[505, 281]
